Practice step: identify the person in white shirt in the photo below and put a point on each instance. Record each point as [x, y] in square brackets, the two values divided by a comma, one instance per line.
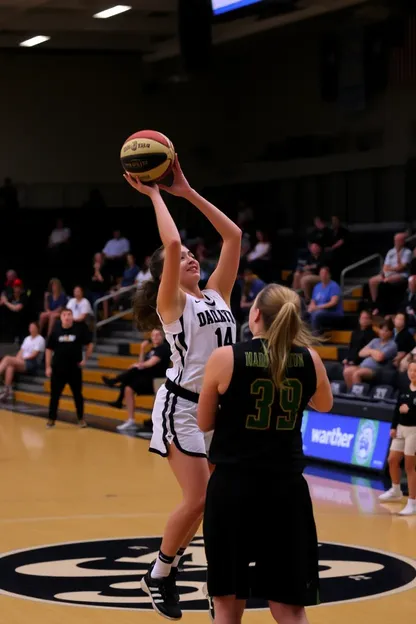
[27, 360]
[395, 269]
[144, 274]
[60, 235]
[79, 305]
[116, 250]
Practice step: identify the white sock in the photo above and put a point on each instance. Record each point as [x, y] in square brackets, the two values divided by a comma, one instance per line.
[411, 502]
[396, 488]
[162, 566]
[178, 557]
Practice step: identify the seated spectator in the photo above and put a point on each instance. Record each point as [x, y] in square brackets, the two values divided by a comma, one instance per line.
[378, 354]
[307, 272]
[79, 305]
[259, 258]
[138, 379]
[252, 285]
[100, 282]
[128, 279]
[320, 234]
[338, 247]
[59, 237]
[395, 271]
[144, 274]
[55, 301]
[360, 337]
[404, 340]
[408, 304]
[27, 360]
[11, 277]
[16, 308]
[410, 357]
[115, 251]
[326, 303]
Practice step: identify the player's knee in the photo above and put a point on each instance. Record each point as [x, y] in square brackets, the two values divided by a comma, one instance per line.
[409, 464]
[196, 505]
[394, 459]
[287, 613]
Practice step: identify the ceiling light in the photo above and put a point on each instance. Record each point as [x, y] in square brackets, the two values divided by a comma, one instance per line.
[115, 10]
[29, 43]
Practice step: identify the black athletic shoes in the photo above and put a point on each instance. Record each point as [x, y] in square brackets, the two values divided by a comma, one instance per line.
[163, 594]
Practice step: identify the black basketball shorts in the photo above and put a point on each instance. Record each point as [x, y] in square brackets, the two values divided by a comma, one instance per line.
[260, 537]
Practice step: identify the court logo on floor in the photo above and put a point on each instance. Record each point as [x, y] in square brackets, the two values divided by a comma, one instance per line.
[107, 573]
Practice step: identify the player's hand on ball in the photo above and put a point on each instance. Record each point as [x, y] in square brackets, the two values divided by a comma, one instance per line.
[404, 408]
[180, 185]
[393, 433]
[146, 189]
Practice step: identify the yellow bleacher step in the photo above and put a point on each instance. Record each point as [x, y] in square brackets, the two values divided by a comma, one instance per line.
[93, 409]
[350, 305]
[358, 292]
[327, 352]
[127, 317]
[117, 362]
[104, 394]
[340, 337]
[285, 274]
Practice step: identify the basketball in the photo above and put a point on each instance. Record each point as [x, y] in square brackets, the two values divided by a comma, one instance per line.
[147, 155]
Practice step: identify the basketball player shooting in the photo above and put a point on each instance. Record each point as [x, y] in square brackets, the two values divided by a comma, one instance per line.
[195, 322]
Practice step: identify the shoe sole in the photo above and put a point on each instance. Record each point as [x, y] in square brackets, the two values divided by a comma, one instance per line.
[147, 591]
[393, 499]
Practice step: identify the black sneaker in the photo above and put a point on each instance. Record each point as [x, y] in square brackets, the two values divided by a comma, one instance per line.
[210, 603]
[172, 579]
[50, 424]
[163, 594]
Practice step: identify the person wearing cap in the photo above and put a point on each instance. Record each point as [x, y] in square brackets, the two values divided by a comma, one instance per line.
[16, 304]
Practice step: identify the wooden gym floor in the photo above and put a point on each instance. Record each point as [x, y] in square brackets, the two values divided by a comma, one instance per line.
[108, 496]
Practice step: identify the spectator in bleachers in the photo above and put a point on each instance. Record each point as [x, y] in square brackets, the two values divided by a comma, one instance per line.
[395, 271]
[321, 234]
[326, 303]
[128, 279]
[55, 301]
[404, 364]
[144, 274]
[376, 356]
[115, 251]
[408, 304]
[11, 277]
[100, 282]
[259, 258]
[360, 337]
[403, 338]
[59, 237]
[337, 251]
[27, 360]
[138, 379]
[79, 305]
[15, 305]
[306, 275]
[252, 285]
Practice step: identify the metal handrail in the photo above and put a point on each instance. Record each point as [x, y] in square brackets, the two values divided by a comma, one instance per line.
[361, 262]
[98, 324]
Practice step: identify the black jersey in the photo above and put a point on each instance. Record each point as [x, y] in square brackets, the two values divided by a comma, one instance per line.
[408, 397]
[257, 424]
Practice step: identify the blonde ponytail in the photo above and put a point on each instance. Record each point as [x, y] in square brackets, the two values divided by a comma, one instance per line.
[284, 328]
[281, 336]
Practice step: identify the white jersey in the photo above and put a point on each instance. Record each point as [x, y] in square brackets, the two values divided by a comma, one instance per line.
[204, 325]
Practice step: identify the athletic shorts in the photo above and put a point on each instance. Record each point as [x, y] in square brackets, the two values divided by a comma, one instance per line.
[405, 440]
[260, 537]
[31, 366]
[174, 421]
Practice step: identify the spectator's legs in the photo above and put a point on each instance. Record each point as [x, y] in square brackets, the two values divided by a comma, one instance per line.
[319, 319]
[53, 316]
[297, 276]
[307, 282]
[373, 285]
[348, 375]
[43, 320]
[362, 374]
[13, 364]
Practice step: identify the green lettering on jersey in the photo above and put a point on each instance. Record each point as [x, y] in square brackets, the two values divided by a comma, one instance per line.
[295, 360]
[256, 359]
[290, 398]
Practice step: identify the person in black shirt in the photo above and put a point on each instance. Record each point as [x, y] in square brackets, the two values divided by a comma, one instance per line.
[360, 338]
[408, 304]
[403, 434]
[66, 344]
[138, 379]
[403, 338]
[253, 397]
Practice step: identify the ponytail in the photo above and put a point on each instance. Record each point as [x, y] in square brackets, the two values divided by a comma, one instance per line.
[144, 306]
[281, 336]
[145, 300]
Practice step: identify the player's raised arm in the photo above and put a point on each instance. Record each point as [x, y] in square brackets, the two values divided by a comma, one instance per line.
[223, 278]
[170, 298]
